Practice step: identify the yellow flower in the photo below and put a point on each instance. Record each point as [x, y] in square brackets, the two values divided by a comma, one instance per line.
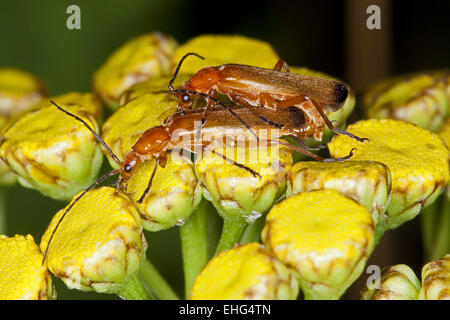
[98, 244]
[366, 182]
[234, 191]
[417, 159]
[51, 151]
[22, 275]
[419, 98]
[221, 49]
[444, 134]
[436, 280]
[397, 283]
[19, 90]
[322, 235]
[174, 194]
[246, 272]
[140, 59]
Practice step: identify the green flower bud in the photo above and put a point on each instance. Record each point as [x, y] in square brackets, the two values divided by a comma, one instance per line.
[52, 152]
[325, 237]
[19, 90]
[246, 272]
[7, 177]
[397, 283]
[99, 244]
[419, 98]
[436, 280]
[22, 275]
[142, 58]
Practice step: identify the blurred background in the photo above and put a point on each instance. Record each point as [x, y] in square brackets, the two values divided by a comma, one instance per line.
[324, 35]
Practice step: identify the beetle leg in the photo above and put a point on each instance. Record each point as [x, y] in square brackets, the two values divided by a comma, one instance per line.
[231, 161]
[268, 101]
[340, 159]
[281, 64]
[209, 103]
[239, 165]
[149, 182]
[304, 145]
[314, 156]
[332, 128]
[292, 101]
[301, 150]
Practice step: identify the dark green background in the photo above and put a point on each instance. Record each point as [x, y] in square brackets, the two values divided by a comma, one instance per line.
[34, 37]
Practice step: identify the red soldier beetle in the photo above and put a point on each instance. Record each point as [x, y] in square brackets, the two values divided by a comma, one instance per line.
[274, 89]
[155, 142]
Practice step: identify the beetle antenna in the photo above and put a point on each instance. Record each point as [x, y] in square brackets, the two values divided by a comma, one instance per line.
[179, 66]
[99, 180]
[91, 130]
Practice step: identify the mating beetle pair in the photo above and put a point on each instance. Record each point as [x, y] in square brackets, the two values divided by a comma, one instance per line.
[262, 98]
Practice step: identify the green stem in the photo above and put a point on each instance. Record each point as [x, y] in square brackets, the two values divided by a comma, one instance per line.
[253, 232]
[3, 209]
[380, 229]
[232, 231]
[133, 289]
[194, 245]
[155, 282]
[428, 223]
[441, 244]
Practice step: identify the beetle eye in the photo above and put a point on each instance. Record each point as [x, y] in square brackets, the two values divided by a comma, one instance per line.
[128, 168]
[185, 98]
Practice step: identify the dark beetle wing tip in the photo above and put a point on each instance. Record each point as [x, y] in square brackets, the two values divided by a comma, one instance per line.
[340, 95]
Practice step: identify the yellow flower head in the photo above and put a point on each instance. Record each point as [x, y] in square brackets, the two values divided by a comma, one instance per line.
[19, 90]
[22, 275]
[98, 243]
[140, 59]
[322, 235]
[367, 182]
[436, 280]
[221, 49]
[51, 151]
[444, 134]
[174, 194]
[245, 272]
[418, 98]
[397, 283]
[417, 159]
[235, 191]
